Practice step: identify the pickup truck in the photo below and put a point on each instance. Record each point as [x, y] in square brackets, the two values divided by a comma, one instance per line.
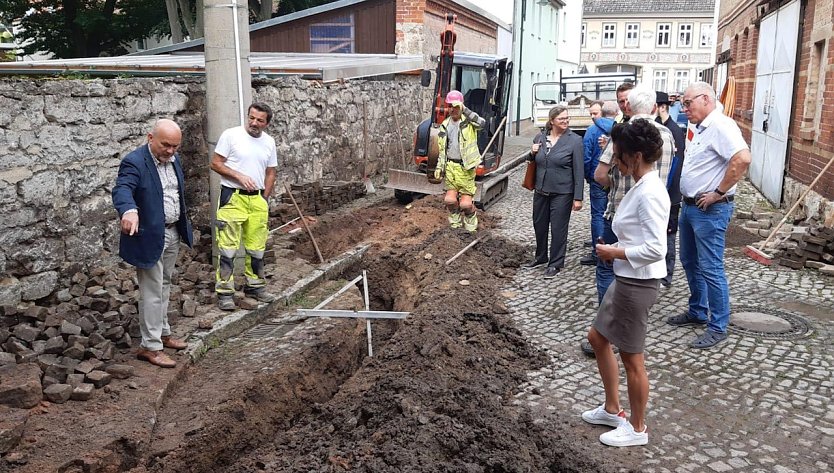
[577, 92]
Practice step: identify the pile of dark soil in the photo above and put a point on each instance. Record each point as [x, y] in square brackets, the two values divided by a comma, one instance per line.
[436, 397]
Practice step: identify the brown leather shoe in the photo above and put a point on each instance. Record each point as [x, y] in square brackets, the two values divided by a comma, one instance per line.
[174, 343]
[158, 358]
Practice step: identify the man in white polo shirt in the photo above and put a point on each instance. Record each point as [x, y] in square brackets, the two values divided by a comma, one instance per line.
[246, 159]
[716, 159]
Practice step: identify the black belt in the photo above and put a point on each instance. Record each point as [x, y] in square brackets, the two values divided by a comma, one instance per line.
[244, 191]
[694, 201]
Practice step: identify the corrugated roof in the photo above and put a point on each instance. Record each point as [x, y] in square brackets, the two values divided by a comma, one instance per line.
[647, 6]
[303, 14]
[325, 67]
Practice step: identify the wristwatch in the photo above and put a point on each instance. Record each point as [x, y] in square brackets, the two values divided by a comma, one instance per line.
[718, 191]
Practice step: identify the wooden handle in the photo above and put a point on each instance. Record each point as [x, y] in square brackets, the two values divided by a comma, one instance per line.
[797, 203]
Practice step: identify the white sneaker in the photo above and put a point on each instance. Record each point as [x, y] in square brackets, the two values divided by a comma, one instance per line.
[600, 416]
[625, 436]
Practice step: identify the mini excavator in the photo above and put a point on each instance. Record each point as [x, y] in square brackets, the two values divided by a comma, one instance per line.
[484, 80]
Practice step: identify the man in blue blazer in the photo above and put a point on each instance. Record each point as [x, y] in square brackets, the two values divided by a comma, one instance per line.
[150, 197]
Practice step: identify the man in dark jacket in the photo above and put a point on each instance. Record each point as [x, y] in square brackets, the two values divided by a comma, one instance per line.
[673, 183]
[150, 197]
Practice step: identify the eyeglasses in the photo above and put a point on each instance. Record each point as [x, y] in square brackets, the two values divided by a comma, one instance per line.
[563, 119]
[687, 103]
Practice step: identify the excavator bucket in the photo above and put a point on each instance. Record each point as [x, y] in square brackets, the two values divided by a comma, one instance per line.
[410, 181]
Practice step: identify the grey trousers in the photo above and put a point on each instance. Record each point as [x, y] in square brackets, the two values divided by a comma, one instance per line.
[154, 291]
[552, 214]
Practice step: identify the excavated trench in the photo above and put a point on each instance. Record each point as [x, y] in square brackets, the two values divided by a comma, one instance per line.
[437, 396]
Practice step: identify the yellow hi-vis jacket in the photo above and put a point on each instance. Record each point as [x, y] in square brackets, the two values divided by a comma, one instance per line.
[468, 138]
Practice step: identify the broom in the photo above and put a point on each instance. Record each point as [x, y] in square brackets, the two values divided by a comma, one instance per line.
[758, 254]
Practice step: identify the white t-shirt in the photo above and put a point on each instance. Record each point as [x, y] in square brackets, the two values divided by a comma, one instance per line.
[714, 142]
[247, 155]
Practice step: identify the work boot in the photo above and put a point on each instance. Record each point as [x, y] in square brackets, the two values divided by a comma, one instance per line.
[455, 220]
[470, 222]
[226, 302]
[260, 295]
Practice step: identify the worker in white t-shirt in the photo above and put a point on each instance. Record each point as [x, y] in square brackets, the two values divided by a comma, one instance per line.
[246, 159]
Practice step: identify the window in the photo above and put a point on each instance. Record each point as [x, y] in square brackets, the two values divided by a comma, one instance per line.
[632, 39]
[582, 34]
[333, 36]
[681, 80]
[660, 80]
[664, 33]
[564, 25]
[706, 35]
[814, 90]
[609, 35]
[685, 35]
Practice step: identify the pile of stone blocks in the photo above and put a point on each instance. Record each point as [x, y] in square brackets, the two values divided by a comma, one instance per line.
[66, 346]
[318, 198]
[808, 247]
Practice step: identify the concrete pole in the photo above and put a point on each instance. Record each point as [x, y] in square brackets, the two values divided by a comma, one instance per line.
[228, 76]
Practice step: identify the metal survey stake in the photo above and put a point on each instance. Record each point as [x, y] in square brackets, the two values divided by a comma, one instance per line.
[367, 314]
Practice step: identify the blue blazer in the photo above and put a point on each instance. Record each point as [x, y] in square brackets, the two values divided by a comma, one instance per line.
[138, 187]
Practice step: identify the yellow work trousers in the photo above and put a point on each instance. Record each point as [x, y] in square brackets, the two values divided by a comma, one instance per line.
[241, 218]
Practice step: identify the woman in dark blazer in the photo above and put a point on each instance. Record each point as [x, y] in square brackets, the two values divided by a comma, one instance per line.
[559, 186]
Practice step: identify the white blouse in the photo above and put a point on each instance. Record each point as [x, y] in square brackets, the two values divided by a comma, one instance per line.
[640, 225]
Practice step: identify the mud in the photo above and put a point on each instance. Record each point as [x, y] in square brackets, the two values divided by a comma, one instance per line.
[436, 397]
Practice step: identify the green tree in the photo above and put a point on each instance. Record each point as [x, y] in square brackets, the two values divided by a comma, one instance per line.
[84, 28]
[292, 6]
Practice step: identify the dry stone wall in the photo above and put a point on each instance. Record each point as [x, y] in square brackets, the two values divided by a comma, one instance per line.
[61, 142]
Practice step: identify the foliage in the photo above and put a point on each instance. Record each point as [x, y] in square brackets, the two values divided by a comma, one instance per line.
[84, 28]
[292, 6]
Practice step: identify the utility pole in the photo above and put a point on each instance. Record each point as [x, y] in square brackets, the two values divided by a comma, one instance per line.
[228, 76]
[523, 17]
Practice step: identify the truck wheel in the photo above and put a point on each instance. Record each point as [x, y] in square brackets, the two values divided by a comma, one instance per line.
[403, 197]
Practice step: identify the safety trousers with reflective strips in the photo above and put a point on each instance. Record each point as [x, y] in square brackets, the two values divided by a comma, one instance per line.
[241, 218]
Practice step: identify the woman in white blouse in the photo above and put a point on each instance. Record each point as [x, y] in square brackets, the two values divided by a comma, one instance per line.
[639, 264]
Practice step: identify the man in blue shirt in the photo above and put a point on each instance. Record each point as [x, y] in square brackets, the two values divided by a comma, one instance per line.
[603, 115]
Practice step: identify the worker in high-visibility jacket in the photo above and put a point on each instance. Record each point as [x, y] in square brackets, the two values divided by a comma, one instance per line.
[246, 159]
[459, 156]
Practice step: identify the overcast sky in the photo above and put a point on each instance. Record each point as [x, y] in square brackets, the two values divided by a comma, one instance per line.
[503, 9]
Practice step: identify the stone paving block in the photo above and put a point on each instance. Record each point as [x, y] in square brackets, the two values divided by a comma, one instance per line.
[12, 424]
[58, 393]
[98, 378]
[82, 392]
[119, 371]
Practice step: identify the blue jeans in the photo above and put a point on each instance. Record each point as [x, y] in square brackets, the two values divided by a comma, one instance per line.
[702, 257]
[605, 271]
[599, 200]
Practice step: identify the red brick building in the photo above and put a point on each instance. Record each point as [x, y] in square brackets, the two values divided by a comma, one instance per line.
[781, 55]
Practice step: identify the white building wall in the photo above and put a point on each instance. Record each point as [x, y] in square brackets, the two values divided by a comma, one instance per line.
[538, 40]
[669, 68]
[505, 42]
[569, 49]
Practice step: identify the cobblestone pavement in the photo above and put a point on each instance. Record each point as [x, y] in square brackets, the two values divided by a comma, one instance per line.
[755, 403]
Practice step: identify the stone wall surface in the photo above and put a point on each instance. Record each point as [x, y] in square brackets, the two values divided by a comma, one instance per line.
[61, 142]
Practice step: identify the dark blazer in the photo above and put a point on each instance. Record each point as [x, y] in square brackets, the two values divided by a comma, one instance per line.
[138, 187]
[560, 170]
[673, 183]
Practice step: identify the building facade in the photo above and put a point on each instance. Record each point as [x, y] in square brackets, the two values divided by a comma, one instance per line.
[667, 43]
[780, 56]
[546, 42]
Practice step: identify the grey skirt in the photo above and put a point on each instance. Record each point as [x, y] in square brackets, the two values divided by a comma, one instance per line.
[624, 312]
